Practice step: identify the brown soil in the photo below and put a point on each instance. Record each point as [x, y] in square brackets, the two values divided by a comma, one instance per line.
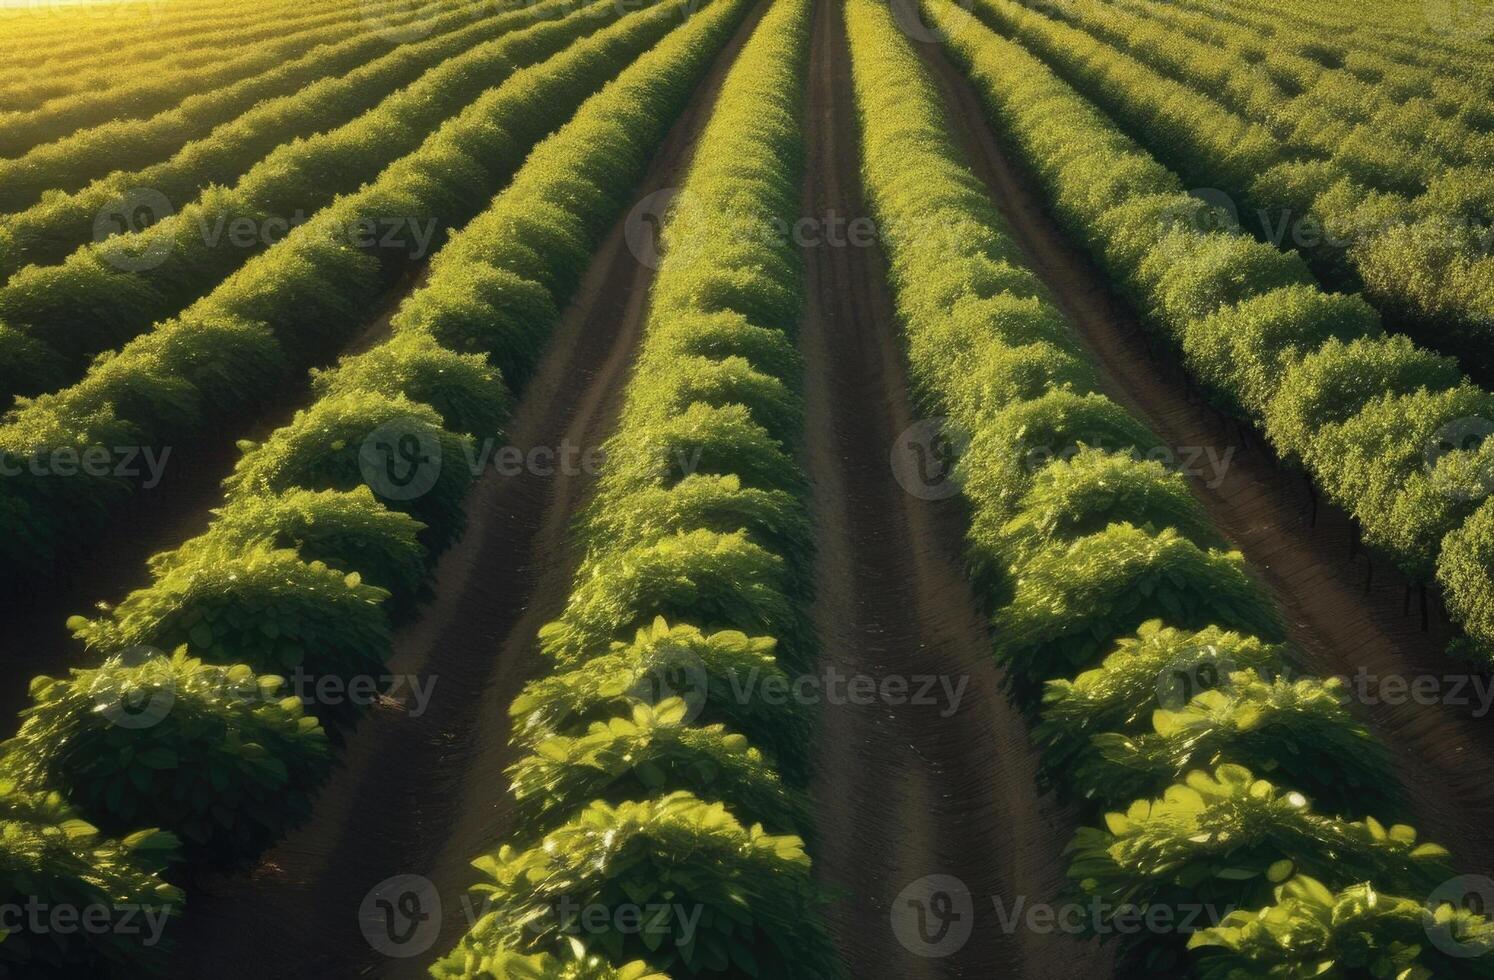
[1444, 754]
[903, 791]
[424, 795]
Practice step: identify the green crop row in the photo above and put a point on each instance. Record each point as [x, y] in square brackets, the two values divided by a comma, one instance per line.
[113, 149]
[297, 301]
[1375, 212]
[57, 70]
[150, 93]
[110, 291]
[1151, 654]
[67, 37]
[313, 552]
[1391, 432]
[646, 782]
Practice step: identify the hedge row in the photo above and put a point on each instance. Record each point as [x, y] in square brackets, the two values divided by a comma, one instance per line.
[312, 552]
[61, 43]
[110, 291]
[318, 91]
[152, 92]
[287, 307]
[1390, 432]
[644, 785]
[1099, 598]
[1390, 217]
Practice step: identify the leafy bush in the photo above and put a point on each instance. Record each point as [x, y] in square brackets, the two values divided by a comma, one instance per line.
[652, 752]
[1072, 600]
[1003, 455]
[1091, 490]
[715, 674]
[27, 365]
[1466, 571]
[725, 334]
[1332, 384]
[259, 606]
[487, 311]
[1241, 352]
[756, 903]
[1158, 667]
[349, 531]
[668, 387]
[349, 441]
[771, 518]
[700, 440]
[469, 396]
[715, 581]
[217, 755]
[1299, 733]
[1224, 839]
[505, 964]
[51, 856]
[1310, 931]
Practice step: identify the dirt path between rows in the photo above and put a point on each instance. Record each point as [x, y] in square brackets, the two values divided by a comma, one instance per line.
[1444, 753]
[947, 786]
[423, 794]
